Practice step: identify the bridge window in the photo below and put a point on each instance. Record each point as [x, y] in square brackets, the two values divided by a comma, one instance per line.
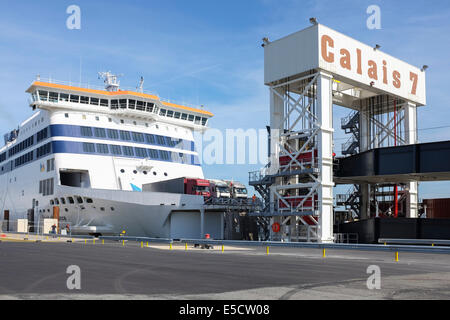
[53, 97]
[84, 100]
[74, 98]
[197, 120]
[103, 103]
[114, 104]
[183, 116]
[170, 113]
[43, 95]
[94, 101]
[140, 105]
[162, 112]
[131, 104]
[191, 117]
[204, 120]
[123, 103]
[63, 97]
[150, 107]
[177, 115]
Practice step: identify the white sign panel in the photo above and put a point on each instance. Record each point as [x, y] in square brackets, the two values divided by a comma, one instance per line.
[319, 47]
[348, 58]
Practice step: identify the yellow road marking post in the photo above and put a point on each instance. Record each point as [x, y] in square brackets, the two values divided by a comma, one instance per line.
[93, 241]
[223, 248]
[147, 244]
[142, 244]
[396, 256]
[324, 253]
[170, 246]
[267, 250]
[123, 243]
[185, 246]
[85, 241]
[103, 241]
[432, 244]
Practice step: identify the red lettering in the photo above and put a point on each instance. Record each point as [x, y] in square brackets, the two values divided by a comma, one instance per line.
[327, 41]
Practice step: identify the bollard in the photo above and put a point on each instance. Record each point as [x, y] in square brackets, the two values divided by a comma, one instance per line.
[85, 241]
[223, 248]
[103, 241]
[123, 243]
[396, 256]
[147, 244]
[323, 253]
[185, 246]
[267, 250]
[170, 246]
[93, 241]
[142, 244]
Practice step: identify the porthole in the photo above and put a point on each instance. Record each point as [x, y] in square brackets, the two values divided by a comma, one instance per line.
[112, 208]
[122, 171]
[154, 173]
[89, 200]
[134, 171]
[165, 173]
[144, 172]
[66, 210]
[102, 209]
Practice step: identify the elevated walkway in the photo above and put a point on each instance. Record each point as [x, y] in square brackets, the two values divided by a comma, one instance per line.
[418, 162]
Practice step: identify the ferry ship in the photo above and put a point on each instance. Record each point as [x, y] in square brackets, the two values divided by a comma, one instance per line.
[85, 154]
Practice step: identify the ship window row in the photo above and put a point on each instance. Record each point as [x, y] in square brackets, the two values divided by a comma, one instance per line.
[25, 144]
[24, 159]
[128, 151]
[137, 137]
[46, 187]
[115, 104]
[21, 146]
[65, 97]
[29, 157]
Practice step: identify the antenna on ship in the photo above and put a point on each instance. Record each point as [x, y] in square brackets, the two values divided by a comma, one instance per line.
[140, 86]
[110, 80]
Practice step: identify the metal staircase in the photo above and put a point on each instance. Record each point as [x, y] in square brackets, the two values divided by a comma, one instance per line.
[350, 125]
[350, 200]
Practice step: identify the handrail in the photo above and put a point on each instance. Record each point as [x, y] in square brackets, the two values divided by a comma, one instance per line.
[137, 239]
[415, 241]
[339, 246]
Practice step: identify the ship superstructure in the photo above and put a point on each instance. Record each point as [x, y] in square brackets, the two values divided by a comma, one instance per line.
[88, 152]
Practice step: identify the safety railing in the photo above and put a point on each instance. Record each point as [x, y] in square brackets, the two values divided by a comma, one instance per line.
[136, 239]
[432, 242]
[338, 246]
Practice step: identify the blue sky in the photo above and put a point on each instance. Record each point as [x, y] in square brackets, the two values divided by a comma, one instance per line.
[208, 52]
